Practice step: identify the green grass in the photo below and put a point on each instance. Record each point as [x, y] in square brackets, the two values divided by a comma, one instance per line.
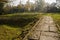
[8, 33]
[56, 18]
[16, 26]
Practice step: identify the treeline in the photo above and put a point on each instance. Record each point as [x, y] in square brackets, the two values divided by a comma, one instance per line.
[28, 7]
[52, 8]
[38, 6]
[19, 8]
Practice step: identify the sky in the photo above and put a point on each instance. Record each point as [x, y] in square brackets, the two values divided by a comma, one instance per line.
[16, 2]
[50, 1]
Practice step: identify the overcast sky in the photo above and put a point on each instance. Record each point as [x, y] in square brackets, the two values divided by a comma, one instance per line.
[16, 2]
[50, 1]
[24, 1]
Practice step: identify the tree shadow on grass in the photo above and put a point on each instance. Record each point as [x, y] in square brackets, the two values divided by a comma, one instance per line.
[17, 22]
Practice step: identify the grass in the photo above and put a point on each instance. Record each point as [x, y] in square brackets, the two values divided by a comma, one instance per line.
[56, 18]
[8, 33]
[16, 26]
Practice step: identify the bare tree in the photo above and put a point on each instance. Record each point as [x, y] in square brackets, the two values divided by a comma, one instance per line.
[40, 4]
[58, 3]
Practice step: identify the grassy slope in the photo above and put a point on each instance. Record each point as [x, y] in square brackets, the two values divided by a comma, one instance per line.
[15, 26]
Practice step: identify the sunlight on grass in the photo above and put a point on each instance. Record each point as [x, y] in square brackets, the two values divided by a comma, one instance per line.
[17, 25]
[56, 18]
[7, 33]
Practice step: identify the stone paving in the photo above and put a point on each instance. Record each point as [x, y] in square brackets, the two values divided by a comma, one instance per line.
[45, 30]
